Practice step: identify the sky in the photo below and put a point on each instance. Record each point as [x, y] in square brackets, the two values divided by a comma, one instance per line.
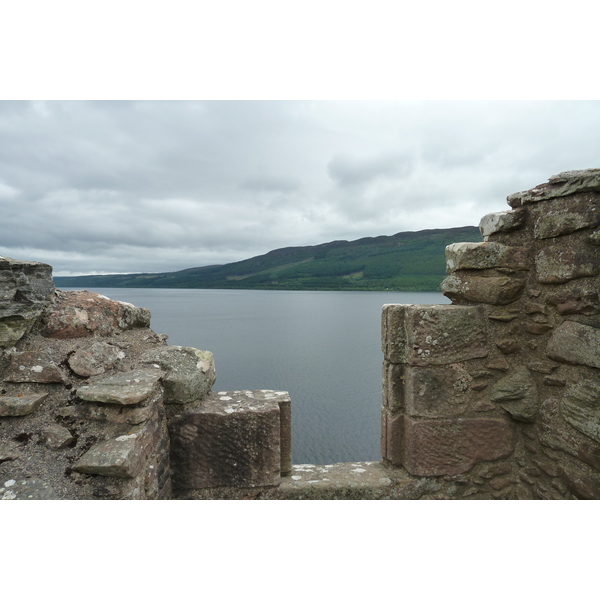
[153, 186]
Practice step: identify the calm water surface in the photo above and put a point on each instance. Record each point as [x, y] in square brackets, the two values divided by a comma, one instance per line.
[324, 348]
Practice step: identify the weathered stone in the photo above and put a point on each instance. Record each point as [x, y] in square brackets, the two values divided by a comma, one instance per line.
[537, 328]
[393, 386]
[437, 391]
[56, 437]
[94, 359]
[517, 394]
[28, 489]
[485, 255]
[33, 367]
[449, 447]
[542, 366]
[190, 373]
[566, 215]
[433, 335]
[9, 450]
[557, 434]
[508, 345]
[26, 290]
[231, 439]
[487, 290]
[575, 343]
[498, 364]
[392, 437]
[122, 456]
[578, 301]
[581, 408]
[555, 381]
[82, 314]
[20, 405]
[594, 238]
[501, 222]
[559, 265]
[563, 184]
[109, 413]
[123, 388]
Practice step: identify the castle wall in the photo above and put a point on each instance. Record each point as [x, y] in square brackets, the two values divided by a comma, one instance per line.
[500, 392]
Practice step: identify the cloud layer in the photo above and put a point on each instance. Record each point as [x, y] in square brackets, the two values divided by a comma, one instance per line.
[109, 187]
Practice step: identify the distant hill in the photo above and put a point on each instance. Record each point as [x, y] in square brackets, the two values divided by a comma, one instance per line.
[409, 261]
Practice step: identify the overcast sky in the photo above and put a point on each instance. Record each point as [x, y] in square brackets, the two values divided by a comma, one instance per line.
[114, 187]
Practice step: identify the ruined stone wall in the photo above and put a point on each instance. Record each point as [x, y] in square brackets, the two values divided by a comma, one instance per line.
[498, 395]
[86, 389]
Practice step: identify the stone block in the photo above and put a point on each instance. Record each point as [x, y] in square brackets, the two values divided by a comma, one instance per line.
[26, 290]
[33, 367]
[190, 373]
[557, 264]
[501, 222]
[452, 446]
[132, 387]
[392, 437]
[20, 405]
[581, 408]
[56, 437]
[575, 343]
[122, 456]
[485, 255]
[393, 386]
[517, 394]
[81, 314]
[94, 359]
[231, 439]
[438, 391]
[433, 335]
[558, 434]
[563, 184]
[566, 215]
[463, 287]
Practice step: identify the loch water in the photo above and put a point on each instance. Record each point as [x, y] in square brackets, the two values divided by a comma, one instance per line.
[324, 348]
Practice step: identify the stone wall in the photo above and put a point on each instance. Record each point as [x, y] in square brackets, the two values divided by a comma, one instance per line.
[496, 396]
[499, 393]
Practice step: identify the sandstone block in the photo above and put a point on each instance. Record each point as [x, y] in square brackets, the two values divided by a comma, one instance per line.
[83, 314]
[485, 255]
[56, 437]
[21, 405]
[563, 184]
[558, 434]
[433, 335]
[392, 437]
[437, 391]
[33, 367]
[190, 373]
[517, 394]
[486, 290]
[393, 386]
[581, 408]
[122, 456]
[123, 388]
[501, 222]
[575, 343]
[560, 265]
[449, 447]
[94, 359]
[566, 215]
[231, 439]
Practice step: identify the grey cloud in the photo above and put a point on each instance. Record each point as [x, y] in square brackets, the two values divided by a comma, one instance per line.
[349, 170]
[156, 186]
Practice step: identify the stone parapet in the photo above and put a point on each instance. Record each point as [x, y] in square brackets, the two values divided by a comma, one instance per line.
[529, 398]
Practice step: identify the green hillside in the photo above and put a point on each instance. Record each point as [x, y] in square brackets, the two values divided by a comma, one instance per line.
[409, 261]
